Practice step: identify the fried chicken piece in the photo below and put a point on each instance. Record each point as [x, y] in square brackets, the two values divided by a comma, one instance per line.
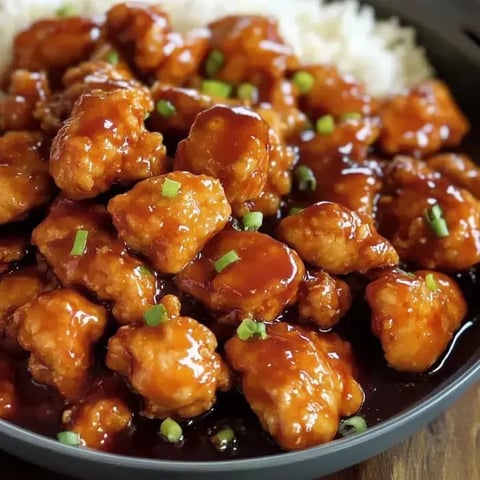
[26, 92]
[415, 317]
[251, 44]
[60, 329]
[297, 382]
[8, 393]
[336, 239]
[422, 121]
[13, 248]
[323, 299]
[402, 214]
[170, 230]
[54, 44]
[105, 268]
[262, 283]
[230, 144]
[24, 180]
[173, 366]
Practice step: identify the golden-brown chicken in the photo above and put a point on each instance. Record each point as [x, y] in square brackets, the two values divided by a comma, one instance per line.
[8, 391]
[60, 329]
[170, 229]
[422, 121]
[230, 144]
[24, 180]
[323, 299]
[403, 217]
[105, 267]
[415, 316]
[13, 248]
[336, 239]
[173, 365]
[262, 282]
[297, 382]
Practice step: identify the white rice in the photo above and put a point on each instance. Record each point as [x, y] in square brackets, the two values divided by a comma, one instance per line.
[382, 54]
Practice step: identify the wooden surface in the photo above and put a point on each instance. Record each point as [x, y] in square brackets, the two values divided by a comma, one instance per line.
[448, 449]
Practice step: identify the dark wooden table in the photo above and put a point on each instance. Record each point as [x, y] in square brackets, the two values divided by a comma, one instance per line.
[448, 449]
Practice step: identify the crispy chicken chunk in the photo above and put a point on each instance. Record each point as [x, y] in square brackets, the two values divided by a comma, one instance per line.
[59, 329]
[13, 248]
[27, 91]
[261, 283]
[297, 382]
[170, 230]
[230, 144]
[415, 190]
[415, 317]
[105, 142]
[105, 268]
[24, 180]
[8, 394]
[54, 44]
[422, 121]
[336, 239]
[323, 299]
[173, 366]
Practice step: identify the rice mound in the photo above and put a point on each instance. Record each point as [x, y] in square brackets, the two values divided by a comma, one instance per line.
[381, 53]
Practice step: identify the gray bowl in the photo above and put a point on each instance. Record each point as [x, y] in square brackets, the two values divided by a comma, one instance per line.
[450, 31]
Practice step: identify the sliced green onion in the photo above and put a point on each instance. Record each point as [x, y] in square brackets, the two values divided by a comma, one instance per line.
[214, 63]
[295, 210]
[431, 283]
[171, 430]
[216, 88]
[156, 315]
[247, 91]
[305, 178]
[250, 328]
[225, 260]
[79, 243]
[66, 10]
[252, 221]
[170, 188]
[304, 81]
[166, 108]
[436, 222]
[69, 438]
[223, 438]
[325, 125]
[352, 425]
[144, 270]
[113, 57]
[344, 117]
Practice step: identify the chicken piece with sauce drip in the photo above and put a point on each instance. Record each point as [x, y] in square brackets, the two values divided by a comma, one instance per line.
[13, 248]
[318, 368]
[105, 267]
[262, 282]
[336, 239]
[170, 227]
[173, 365]
[59, 329]
[415, 316]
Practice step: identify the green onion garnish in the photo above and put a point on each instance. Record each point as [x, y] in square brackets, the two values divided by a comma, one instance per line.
[431, 283]
[352, 425]
[166, 108]
[325, 125]
[250, 328]
[144, 270]
[216, 88]
[214, 63]
[171, 430]
[223, 438]
[436, 222]
[69, 438]
[113, 57]
[66, 10]
[295, 211]
[79, 243]
[170, 188]
[247, 91]
[252, 221]
[156, 315]
[304, 81]
[224, 261]
[344, 117]
[305, 178]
